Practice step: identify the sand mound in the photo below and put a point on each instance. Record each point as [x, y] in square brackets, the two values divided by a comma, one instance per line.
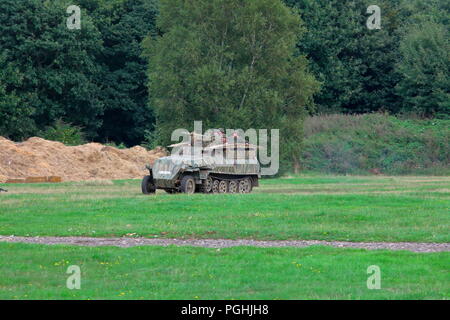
[92, 161]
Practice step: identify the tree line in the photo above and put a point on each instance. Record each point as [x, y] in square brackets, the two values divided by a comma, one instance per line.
[139, 68]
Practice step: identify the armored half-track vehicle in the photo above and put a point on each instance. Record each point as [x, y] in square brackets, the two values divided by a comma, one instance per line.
[205, 165]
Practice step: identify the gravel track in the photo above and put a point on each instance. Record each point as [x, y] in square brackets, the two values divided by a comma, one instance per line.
[224, 243]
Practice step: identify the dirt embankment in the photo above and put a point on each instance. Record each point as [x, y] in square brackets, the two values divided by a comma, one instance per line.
[38, 157]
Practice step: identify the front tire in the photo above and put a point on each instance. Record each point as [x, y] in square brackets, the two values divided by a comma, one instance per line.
[147, 185]
[187, 185]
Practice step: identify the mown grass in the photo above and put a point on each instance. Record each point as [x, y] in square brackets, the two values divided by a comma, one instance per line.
[308, 207]
[39, 272]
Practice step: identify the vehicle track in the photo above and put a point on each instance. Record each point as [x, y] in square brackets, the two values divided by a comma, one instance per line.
[226, 243]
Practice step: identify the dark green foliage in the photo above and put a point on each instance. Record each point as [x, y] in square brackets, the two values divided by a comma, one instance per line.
[355, 64]
[64, 132]
[376, 143]
[425, 70]
[123, 25]
[94, 77]
[424, 60]
[417, 11]
[360, 68]
[150, 140]
[202, 65]
[14, 114]
[57, 65]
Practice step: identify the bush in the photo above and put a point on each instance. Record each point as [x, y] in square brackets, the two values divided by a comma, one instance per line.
[64, 132]
[115, 145]
[376, 143]
[150, 139]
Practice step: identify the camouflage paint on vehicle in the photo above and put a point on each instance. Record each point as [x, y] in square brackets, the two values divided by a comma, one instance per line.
[242, 167]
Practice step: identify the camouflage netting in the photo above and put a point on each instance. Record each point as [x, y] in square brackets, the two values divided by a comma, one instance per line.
[38, 157]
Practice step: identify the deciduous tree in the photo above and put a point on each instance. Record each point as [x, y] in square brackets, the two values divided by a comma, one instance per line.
[231, 64]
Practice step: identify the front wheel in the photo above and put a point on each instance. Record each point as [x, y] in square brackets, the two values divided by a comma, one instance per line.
[187, 185]
[147, 185]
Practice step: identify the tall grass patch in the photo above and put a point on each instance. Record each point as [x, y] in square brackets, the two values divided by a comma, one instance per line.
[377, 144]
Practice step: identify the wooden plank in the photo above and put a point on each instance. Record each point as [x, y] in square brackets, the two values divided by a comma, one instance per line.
[51, 179]
[54, 179]
[35, 179]
[21, 180]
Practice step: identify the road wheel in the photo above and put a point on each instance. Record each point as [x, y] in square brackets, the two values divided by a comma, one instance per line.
[187, 185]
[215, 186]
[248, 185]
[207, 185]
[232, 187]
[223, 186]
[147, 185]
[245, 186]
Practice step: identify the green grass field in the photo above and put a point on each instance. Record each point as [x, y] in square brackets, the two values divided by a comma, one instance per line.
[318, 208]
[39, 272]
[394, 209]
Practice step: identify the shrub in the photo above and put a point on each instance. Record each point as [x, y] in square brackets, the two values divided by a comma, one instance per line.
[64, 132]
[115, 145]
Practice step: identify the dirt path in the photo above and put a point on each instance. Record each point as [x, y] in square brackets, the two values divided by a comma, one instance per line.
[222, 243]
